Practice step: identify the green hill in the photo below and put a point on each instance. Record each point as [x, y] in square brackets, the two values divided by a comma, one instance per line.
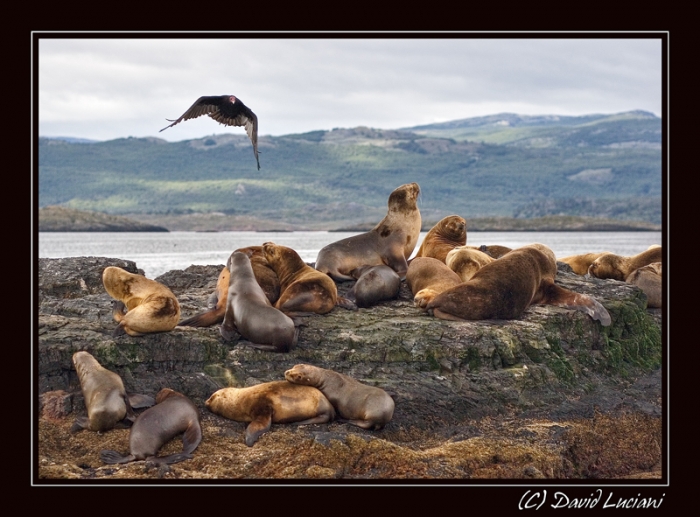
[603, 166]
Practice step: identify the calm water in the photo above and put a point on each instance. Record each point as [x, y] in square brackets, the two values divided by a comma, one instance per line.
[157, 253]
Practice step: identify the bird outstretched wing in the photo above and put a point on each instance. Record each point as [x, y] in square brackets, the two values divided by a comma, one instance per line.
[225, 111]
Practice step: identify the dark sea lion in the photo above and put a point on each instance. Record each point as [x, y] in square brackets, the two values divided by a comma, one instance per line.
[173, 414]
[264, 274]
[580, 263]
[106, 401]
[648, 278]
[506, 287]
[143, 305]
[449, 233]
[618, 267]
[466, 261]
[250, 312]
[427, 277]
[374, 284]
[365, 406]
[391, 242]
[303, 290]
[270, 403]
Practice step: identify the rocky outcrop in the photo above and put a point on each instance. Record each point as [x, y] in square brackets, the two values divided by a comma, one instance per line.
[552, 363]
[64, 219]
[453, 369]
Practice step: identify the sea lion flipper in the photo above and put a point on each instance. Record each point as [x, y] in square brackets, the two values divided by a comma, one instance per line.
[257, 428]
[169, 460]
[205, 319]
[80, 423]
[119, 331]
[556, 295]
[118, 310]
[345, 303]
[191, 438]
[138, 401]
[113, 457]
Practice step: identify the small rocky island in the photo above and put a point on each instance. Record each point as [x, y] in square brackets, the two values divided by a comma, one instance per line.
[551, 395]
[63, 219]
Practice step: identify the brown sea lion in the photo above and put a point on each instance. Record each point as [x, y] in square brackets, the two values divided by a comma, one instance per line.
[465, 261]
[107, 403]
[391, 242]
[269, 403]
[303, 290]
[449, 233]
[143, 305]
[648, 278]
[506, 287]
[580, 263]
[250, 312]
[494, 250]
[374, 284]
[173, 414]
[427, 277]
[365, 406]
[265, 276]
[618, 267]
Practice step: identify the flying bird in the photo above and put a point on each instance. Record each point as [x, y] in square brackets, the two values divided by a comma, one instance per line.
[227, 110]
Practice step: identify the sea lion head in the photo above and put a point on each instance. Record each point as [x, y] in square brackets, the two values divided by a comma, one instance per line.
[403, 198]
[606, 266]
[300, 374]
[454, 228]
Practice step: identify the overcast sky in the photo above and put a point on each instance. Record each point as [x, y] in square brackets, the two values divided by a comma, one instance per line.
[111, 88]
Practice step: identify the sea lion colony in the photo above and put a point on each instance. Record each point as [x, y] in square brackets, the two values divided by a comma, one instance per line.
[491, 282]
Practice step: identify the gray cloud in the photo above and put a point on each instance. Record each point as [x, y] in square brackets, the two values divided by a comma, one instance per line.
[111, 88]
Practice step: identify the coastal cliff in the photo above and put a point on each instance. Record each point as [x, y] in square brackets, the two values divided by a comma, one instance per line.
[550, 395]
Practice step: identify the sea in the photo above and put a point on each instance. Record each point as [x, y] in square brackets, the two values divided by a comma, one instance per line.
[159, 252]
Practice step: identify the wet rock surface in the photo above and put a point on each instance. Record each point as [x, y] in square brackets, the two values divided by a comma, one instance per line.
[487, 385]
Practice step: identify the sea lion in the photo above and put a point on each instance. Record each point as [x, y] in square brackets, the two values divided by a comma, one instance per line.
[427, 277]
[580, 263]
[303, 290]
[173, 414]
[374, 284]
[465, 261]
[106, 401]
[391, 242]
[143, 305]
[445, 236]
[270, 403]
[365, 406]
[648, 278]
[265, 276]
[618, 267]
[504, 288]
[250, 312]
[494, 250]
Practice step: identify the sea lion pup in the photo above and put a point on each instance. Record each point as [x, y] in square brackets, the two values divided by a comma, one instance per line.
[580, 263]
[618, 267]
[391, 242]
[504, 288]
[277, 402]
[265, 276]
[173, 414]
[427, 277]
[465, 261]
[250, 312]
[303, 290]
[449, 233]
[143, 305]
[648, 279]
[107, 403]
[361, 405]
[374, 284]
